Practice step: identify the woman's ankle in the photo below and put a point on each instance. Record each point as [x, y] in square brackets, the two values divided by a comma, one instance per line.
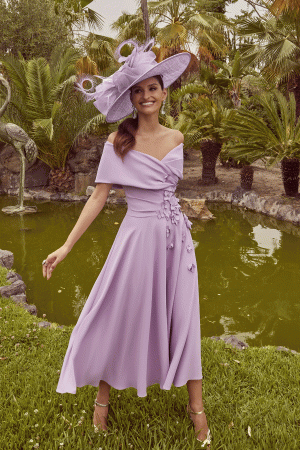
[103, 393]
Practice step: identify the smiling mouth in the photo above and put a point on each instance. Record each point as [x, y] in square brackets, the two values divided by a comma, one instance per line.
[147, 104]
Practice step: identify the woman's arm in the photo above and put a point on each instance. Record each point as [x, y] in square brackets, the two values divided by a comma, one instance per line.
[90, 211]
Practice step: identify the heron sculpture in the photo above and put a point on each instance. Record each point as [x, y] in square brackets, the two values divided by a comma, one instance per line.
[14, 135]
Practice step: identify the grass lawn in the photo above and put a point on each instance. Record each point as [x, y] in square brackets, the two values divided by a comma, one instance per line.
[252, 397]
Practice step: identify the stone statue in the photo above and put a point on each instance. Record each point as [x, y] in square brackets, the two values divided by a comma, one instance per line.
[23, 144]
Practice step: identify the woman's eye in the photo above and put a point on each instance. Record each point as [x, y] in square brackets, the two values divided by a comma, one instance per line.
[138, 90]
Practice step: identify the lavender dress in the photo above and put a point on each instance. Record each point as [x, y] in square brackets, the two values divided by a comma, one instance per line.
[141, 322]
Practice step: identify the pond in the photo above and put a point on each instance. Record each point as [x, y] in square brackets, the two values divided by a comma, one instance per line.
[248, 266]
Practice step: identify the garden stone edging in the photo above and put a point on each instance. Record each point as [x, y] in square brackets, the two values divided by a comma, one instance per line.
[268, 205]
[17, 289]
[21, 300]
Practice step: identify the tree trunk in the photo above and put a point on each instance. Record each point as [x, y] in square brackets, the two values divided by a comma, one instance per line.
[290, 176]
[144, 7]
[247, 177]
[210, 151]
[294, 86]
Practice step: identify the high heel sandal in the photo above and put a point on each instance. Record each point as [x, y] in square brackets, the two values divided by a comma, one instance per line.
[206, 441]
[97, 427]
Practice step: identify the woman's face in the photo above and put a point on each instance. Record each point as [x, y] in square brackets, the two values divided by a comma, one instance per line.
[147, 96]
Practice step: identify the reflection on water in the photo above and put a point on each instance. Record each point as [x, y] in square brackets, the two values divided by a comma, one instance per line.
[248, 266]
[249, 278]
[267, 238]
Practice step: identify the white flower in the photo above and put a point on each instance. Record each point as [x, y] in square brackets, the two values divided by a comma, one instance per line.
[31, 440]
[36, 445]
[36, 425]
[36, 411]
[26, 414]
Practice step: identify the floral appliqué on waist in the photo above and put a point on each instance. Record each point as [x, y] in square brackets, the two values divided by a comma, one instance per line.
[170, 208]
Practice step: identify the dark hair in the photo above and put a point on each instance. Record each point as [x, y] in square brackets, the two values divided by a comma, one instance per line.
[125, 137]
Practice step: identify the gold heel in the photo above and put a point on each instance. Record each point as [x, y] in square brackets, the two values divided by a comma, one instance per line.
[206, 441]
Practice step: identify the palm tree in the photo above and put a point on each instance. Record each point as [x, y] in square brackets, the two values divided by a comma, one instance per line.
[269, 132]
[76, 13]
[275, 48]
[290, 6]
[132, 26]
[45, 104]
[187, 21]
[202, 126]
[101, 51]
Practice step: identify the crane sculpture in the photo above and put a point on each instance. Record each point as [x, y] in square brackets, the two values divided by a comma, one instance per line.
[14, 135]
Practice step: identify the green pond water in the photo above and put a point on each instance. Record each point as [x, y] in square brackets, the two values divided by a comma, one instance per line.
[248, 266]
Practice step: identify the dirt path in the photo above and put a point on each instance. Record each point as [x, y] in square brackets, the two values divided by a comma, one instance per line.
[266, 182]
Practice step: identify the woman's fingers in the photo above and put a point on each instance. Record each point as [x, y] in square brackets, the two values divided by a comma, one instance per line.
[48, 267]
[52, 260]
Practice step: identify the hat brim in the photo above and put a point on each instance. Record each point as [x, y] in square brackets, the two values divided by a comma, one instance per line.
[171, 68]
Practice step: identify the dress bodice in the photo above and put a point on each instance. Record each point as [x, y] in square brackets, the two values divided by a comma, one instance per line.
[149, 183]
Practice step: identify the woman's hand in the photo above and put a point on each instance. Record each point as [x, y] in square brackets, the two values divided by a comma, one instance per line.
[53, 259]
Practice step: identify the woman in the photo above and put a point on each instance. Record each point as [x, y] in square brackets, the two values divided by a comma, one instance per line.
[144, 306]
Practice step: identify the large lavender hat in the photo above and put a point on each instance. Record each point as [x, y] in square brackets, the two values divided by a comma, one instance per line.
[112, 96]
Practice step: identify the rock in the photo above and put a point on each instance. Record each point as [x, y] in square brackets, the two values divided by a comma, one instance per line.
[282, 349]
[89, 190]
[41, 195]
[37, 175]
[19, 299]
[285, 349]
[55, 197]
[31, 309]
[13, 276]
[10, 159]
[237, 195]
[18, 287]
[195, 208]
[37, 172]
[83, 180]
[84, 160]
[6, 259]
[217, 196]
[232, 340]
[44, 324]
[235, 342]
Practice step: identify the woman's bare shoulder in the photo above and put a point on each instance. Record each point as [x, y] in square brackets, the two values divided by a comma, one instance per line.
[112, 136]
[177, 136]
